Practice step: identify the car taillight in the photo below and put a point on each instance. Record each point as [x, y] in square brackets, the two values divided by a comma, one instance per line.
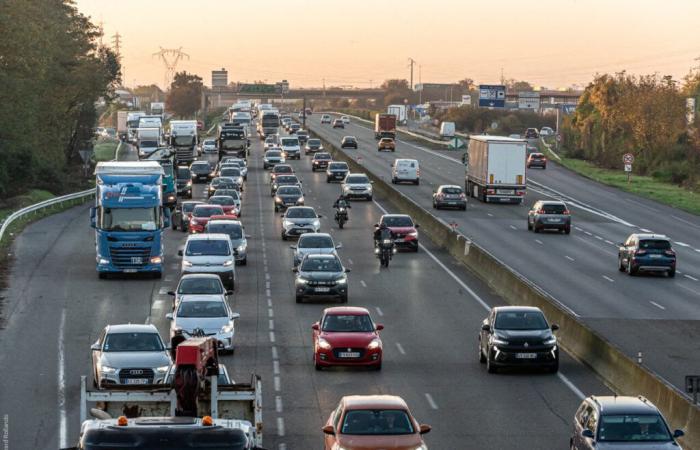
[566, 212]
[441, 196]
[670, 253]
[462, 196]
[541, 211]
[520, 193]
[490, 191]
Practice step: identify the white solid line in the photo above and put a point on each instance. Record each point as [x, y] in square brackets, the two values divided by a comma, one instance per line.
[271, 324]
[379, 311]
[350, 261]
[690, 277]
[682, 244]
[538, 241]
[62, 416]
[609, 279]
[571, 386]
[280, 426]
[278, 404]
[657, 305]
[431, 402]
[513, 227]
[599, 238]
[569, 258]
[276, 367]
[401, 350]
[362, 282]
[272, 336]
[275, 356]
[277, 383]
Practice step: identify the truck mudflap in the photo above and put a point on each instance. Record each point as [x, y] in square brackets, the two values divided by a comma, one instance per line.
[240, 401]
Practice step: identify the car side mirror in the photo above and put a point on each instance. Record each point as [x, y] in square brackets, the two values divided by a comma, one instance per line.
[587, 434]
[95, 347]
[348, 270]
[235, 316]
[376, 225]
[179, 253]
[295, 270]
[328, 429]
[416, 226]
[320, 216]
[554, 327]
[169, 316]
[678, 433]
[316, 327]
[293, 247]
[229, 292]
[93, 217]
[171, 293]
[379, 327]
[425, 429]
[339, 246]
[486, 327]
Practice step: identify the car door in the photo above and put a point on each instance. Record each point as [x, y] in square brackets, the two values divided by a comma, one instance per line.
[628, 248]
[531, 213]
[331, 440]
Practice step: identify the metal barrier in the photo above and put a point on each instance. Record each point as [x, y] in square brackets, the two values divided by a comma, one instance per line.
[41, 205]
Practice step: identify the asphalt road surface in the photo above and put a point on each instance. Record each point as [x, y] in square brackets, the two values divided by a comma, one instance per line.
[432, 309]
[654, 315]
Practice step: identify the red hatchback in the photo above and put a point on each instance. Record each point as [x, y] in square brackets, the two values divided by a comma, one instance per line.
[347, 336]
[404, 230]
[200, 216]
[227, 203]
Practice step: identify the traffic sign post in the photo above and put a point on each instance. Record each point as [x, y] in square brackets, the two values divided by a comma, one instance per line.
[627, 160]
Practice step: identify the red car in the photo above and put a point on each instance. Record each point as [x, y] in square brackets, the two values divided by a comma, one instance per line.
[201, 214]
[404, 230]
[227, 203]
[346, 335]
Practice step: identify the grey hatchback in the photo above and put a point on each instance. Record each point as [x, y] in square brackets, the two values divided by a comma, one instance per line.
[546, 214]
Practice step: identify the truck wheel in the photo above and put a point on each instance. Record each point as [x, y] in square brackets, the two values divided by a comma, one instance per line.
[157, 275]
[102, 275]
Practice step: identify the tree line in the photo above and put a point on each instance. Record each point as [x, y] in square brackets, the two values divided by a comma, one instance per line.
[52, 72]
[643, 115]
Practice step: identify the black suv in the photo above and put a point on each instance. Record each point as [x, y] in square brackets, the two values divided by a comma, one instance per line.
[336, 171]
[518, 336]
[184, 181]
[320, 161]
[349, 142]
[621, 422]
[321, 276]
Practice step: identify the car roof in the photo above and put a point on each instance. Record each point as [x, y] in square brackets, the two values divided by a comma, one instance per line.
[207, 206]
[374, 402]
[536, 154]
[321, 256]
[398, 160]
[225, 221]
[321, 154]
[357, 173]
[552, 202]
[609, 405]
[281, 165]
[516, 309]
[349, 137]
[301, 207]
[196, 202]
[643, 236]
[132, 328]
[347, 310]
[207, 237]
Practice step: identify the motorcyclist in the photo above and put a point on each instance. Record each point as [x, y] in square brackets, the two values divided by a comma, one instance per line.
[382, 232]
[341, 202]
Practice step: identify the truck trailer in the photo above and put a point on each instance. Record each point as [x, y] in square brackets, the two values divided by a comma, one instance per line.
[399, 111]
[495, 169]
[129, 217]
[184, 139]
[384, 126]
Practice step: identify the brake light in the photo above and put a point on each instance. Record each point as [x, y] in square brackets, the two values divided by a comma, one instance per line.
[520, 193]
[541, 211]
[670, 253]
[566, 212]
[441, 196]
[462, 196]
[490, 191]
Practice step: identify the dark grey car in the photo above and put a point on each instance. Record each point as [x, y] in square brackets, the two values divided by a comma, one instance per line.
[321, 276]
[336, 171]
[287, 196]
[553, 215]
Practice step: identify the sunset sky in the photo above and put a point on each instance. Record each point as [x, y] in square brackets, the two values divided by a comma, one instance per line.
[553, 43]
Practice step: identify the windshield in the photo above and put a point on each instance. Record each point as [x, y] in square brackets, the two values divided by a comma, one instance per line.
[633, 428]
[289, 190]
[315, 242]
[230, 172]
[282, 169]
[188, 207]
[321, 265]
[350, 323]
[357, 180]
[207, 211]
[398, 221]
[301, 213]
[322, 156]
[184, 140]
[313, 142]
[201, 309]
[287, 179]
[209, 247]
[233, 230]
[520, 320]
[209, 142]
[228, 192]
[202, 286]
[183, 173]
[222, 200]
[287, 142]
[338, 166]
[132, 342]
[129, 219]
[377, 422]
[201, 167]
[273, 154]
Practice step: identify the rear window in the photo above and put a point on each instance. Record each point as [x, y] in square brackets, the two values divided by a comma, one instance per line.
[398, 221]
[451, 190]
[537, 156]
[411, 164]
[234, 230]
[222, 200]
[230, 172]
[554, 208]
[289, 179]
[188, 207]
[655, 244]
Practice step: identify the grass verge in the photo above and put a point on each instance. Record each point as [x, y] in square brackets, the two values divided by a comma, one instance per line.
[105, 150]
[644, 186]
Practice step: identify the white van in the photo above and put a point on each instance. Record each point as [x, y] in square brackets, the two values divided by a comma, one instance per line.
[405, 170]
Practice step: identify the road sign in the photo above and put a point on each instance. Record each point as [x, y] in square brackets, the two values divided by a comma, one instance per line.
[628, 167]
[529, 100]
[492, 95]
[628, 158]
[456, 143]
[558, 137]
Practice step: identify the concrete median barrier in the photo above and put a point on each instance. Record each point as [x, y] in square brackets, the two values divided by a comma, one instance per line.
[620, 372]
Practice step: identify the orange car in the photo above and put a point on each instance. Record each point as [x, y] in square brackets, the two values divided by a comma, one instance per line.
[386, 144]
[373, 422]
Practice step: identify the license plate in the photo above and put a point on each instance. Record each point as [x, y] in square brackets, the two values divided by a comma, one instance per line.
[399, 240]
[322, 289]
[555, 220]
[654, 256]
[451, 203]
[505, 191]
[129, 270]
[526, 355]
[349, 354]
[137, 381]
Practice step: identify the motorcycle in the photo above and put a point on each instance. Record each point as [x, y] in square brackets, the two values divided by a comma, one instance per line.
[341, 216]
[384, 250]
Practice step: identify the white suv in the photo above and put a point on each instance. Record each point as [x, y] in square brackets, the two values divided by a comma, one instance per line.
[210, 253]
[357, 185]
[291, 147]
[325, 119]
[405, 170]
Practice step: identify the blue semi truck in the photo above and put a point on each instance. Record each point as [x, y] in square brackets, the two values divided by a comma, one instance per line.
[129, 217]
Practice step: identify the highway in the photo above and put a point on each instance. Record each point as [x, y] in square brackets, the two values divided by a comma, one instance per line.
[650, 314]
[432, 309]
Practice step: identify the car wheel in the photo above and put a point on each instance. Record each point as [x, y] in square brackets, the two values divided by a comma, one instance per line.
[535, 228]
[554, 368]
[377, 367]
[317, 366]
[369, 198]
[631, 271]
[418, 182]
[276, 208]
[544, 167]
[435, 206]
[529, 226]
[174, 226]
[393, 181]
[671, 273]
[344, 298]
[328, 180]
[482, 358]
[567, 230]
[415, 250]
[157, 275]
[490, 368]
[620, 267]
[244, 261]
[284, 237]
[299, 298]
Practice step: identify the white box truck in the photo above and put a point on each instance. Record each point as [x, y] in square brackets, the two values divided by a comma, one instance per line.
[122, 127]
[399, 111]
[495, 169]
[184, 139]
[447, 130]
[148, 140]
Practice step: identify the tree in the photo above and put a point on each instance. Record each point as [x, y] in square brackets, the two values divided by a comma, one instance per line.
[518, 86]
[185, 95]
[466, 85]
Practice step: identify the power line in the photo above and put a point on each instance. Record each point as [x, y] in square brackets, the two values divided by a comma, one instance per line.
[170, 57]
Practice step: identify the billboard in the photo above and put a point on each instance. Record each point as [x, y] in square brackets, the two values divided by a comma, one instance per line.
[219, 78]
[492, 95]
[529, 100]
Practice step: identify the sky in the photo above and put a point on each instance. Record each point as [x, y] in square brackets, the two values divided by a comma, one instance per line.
[551, 43]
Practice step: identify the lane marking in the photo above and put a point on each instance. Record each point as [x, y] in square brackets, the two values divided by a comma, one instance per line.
[62, 416]
[645, 230]
[682, 244]
[271, 324]
[538, 241]
[588, 233]
[158, 304]
[268, 293]
[270, 312]
[379, 311]
[272, 336]
[599, 238]
[657, 305]
[608, 278]
[401, 350]
[278, 404]
[609, 242]
[277, 383]
[269, 302]
[685, 221]
[275, 367]
[267, 285]
[362, 282]
[489, 214]
[513, 227]
[350, 261]
[431, 402]
[569, 258]
[163, 291]
[578, 228]
[267, 276]
[571, 386]
[690, 277]
[275, 356]
[280, 426]
[282, 446]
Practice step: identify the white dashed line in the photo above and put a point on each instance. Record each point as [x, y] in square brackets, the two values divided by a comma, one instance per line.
[271, 324]
[569, 258]
[379, 311]
[538, 241]
[599, 238]
[163, 291]
[282, 446]
[489, 214]
[690, 277]
[401, 350]
[275, 356]
[267, 285]
[272, 336]
[682, 244]
[275, 367]
[609, 242]
[588, 233]
[267, 276]
[431, 402]
[350, 261]
[278, 384]
[270, 312]
[268, 293]
[362, 282]
[62, 415]
[280, 426]
[278, 404]
[513, 227]
[578, 229]
[269, 302]
[645, 230]
[657, 305]
[608, 278]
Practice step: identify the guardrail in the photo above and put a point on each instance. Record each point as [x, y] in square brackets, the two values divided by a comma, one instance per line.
[41, 205]
[624, 375]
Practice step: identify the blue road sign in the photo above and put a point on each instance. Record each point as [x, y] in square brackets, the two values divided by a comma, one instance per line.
[492, 95]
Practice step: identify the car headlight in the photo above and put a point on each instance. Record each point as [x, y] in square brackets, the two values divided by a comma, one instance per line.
[241, 248]
[302, 280]
[422, 447]
[193, 222]
[550, 340]
[375, 344]
[413, 234]
[342, 280]
[189, 183]
[287, 223]
[108, 370]
[156, 260]
[187, 263]
[162, 369]
[227, 328]
[104, 261]
[228, 263]
[317, 223]
[498, 340]
[324, 344]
